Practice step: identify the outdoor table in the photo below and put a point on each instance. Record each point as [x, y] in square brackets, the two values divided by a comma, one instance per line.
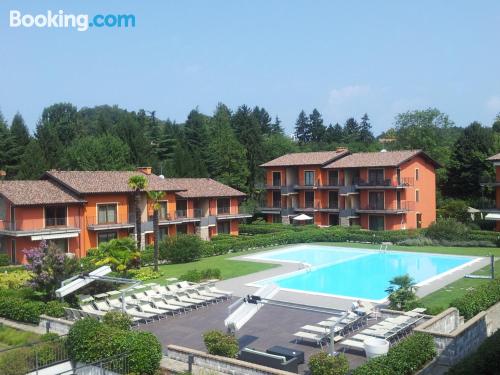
[287, 353]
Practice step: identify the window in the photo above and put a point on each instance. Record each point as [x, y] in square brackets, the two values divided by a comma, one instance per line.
[417, 174]
[223, 227]
[398, 199]
[276, 178]
[105, 237]
[419, 220]
[181, 207]
[417, 195]
[181, 228]
[60, 243]
[309, 178]
[333, 178]
[376, 222]
[333, 219]
[376, 176]
[3, 209]
[333, 199]
[223, 206]
[276, 199]
[309, 199]
[163, 211]
[106, 213]
[55, 216]
[163, 233]
[376, 200]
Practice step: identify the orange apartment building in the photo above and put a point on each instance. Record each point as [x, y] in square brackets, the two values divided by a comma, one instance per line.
[494, 213]
[376, 190]
[77, 210]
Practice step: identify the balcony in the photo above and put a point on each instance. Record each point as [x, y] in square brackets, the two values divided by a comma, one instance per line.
[94, 224]
[317, 185]
[308, 207]
[489, 182]
[224, 212]
[33, 227]
[394, 183]
[389, 208]
[348, 212]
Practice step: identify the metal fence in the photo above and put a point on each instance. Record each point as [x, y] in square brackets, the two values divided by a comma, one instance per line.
[117, 365]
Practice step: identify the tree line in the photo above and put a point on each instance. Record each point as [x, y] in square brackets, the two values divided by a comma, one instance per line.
[229, 145]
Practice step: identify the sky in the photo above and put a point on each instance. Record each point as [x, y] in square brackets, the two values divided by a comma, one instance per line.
[344, 58]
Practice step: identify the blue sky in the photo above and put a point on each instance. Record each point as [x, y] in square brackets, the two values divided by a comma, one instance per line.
[344, 58]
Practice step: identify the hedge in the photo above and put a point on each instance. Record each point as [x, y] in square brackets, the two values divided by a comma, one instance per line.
[220, 343]
[196, 276]
[479, 299]
[482, 361]
[324, 364]
[405, 358]
[28, 311]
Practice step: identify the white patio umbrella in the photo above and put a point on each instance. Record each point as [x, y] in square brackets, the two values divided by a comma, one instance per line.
[302, 217]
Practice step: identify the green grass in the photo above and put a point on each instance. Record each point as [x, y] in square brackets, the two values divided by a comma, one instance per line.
[14, 337]
[229, 268]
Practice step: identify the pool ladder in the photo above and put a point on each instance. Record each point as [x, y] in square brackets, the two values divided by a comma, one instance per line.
[384, 247]
[305, 266]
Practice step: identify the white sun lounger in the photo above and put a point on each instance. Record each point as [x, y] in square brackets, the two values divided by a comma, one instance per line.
[318, 339]
[158, 302]
[88, 308]
[315, 329]
[353, 344]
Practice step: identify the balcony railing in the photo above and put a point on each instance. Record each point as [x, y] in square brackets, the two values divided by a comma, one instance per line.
[223, 210]
[93, 221]
[347, 212]
[388, 182]
[47, 224]
[402, 206]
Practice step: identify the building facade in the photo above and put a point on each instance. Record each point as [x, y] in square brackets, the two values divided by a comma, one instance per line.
[77, 210]
[376, 190]
[494, 212]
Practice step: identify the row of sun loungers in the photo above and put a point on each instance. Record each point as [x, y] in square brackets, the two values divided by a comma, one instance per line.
[152, 301]
[388, 329]
[321, 331]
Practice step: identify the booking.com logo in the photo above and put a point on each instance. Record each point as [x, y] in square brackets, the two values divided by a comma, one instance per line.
[80, 22]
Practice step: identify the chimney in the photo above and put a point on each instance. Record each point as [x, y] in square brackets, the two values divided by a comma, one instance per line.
[341, 149]
[145, 170]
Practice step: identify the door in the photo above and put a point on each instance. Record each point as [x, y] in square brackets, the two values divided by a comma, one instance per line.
[376, 176]
[398, 200]
[376, 200]
[333, 199]
[419, 220]
[13, 252]
[309, 199]
[309, 178]
[276, 178]
[376, 222]
[333, 219]
[276, 199]
[333, 178]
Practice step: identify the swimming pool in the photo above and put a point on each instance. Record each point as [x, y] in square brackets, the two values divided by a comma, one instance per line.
[355, 273]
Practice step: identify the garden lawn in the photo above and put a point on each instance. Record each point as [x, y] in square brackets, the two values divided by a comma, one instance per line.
[229, 268]
[440, 300]
[14, 337]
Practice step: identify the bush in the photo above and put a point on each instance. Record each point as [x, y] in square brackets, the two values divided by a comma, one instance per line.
[147, 256]
[447, 229]
[21, 310]
[324, 364]
[4, 260]
[419, 241]
[144, 274]
[479, 299]
[118, 320]
[482, 360]
[196, 276]
[14, 280]
[15, 362]
[120, 254]
[220, 343]
[405, 358]
[55, 309]
[90, 340]
[181, 248]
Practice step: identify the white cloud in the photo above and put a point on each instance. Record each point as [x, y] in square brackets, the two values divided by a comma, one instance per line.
[340, 96]
[493, 103]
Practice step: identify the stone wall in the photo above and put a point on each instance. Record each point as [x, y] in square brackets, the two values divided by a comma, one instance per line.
[55, 325]
[221, 364]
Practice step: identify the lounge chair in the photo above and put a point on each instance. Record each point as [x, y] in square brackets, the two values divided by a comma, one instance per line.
[318, 339]
[89, 308]
[158, 302]
[145, 306]
[214, 289]
[172, 299]
[353, 344]
[315, 329]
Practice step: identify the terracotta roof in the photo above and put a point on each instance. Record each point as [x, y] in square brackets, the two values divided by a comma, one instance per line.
[305, 158]
[494, 157]
[378, 159]
[204, 187]
[32, 193]
[94, 182]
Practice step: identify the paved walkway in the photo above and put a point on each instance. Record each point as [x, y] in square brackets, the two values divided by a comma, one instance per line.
[22, 326]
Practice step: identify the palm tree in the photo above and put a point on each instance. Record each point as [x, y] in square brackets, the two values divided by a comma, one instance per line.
[402, 292]
[138, 183]
[156, 197]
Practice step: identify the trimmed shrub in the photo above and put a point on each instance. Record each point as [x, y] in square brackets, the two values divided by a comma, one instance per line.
[21, 310]
[55, 309]
[147, 256]
[144, 274]
[181, 248]
[405, 358]
[14, 280]
[118, 320]
[447, 229]
[419, 241]
[196, 276]
[479, 299]
[144, 352]
[220, 343]
[324, 364]
[482, 361]
[4, 260]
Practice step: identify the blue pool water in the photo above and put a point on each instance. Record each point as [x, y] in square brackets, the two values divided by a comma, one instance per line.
[356, 273]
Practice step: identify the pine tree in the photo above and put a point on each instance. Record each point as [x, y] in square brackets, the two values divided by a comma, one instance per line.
[264, 119]
[227, 157]
[276, 126]
[19, 130]
[316, 125]
[33, 163]
[365, 132]
[351, 130]
[334, 134]
[302, 128]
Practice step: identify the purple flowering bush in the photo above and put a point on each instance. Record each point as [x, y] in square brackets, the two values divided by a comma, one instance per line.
[49, 266]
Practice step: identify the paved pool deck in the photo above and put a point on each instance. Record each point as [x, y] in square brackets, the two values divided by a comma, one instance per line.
[240, 285]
